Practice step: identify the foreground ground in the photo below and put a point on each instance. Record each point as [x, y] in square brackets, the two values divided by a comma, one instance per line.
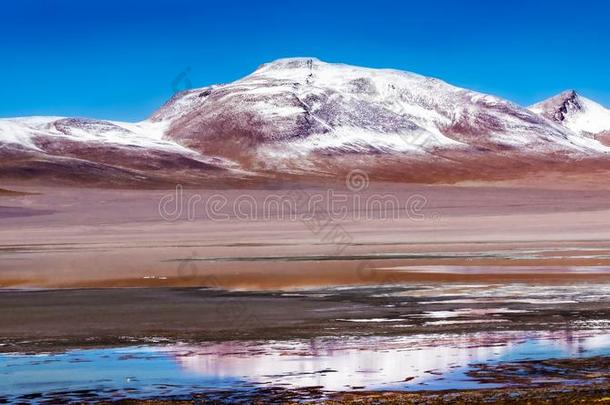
[447, 260]
[553, 395]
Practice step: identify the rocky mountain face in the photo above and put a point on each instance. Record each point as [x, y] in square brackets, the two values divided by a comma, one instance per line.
[576, 113]
[302, 117]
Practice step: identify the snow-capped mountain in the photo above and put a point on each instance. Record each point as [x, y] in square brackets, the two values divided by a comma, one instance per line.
[303, 105]
[301, 116]
[95, 151]
[575, 112]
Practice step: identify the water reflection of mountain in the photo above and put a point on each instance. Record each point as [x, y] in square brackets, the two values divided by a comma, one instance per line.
[378, 362]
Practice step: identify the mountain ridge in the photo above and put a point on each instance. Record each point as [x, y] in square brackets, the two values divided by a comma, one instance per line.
[305, 117]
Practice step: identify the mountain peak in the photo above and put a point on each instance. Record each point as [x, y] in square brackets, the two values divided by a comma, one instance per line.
[559, 107]
[568, 94]
[290, 63]
[569, 98]
[575, 112]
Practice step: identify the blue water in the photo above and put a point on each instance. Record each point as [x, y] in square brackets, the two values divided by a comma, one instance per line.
[377, 363]
[137, 372]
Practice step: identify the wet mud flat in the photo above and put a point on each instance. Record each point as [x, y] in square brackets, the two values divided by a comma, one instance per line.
[557, 395]
[42, 320]
[550, 395]
[423, 343]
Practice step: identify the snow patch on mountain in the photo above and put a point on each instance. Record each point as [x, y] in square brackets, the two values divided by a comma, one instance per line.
[311, 79]
[21, 131]
[352, 139]
[24, 131]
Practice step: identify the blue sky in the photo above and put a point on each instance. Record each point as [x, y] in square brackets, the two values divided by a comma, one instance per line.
[120, 59]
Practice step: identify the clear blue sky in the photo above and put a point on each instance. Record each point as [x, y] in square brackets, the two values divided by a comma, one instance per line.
[118, 59]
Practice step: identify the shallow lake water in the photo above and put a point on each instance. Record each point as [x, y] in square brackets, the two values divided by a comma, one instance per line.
[421, 362]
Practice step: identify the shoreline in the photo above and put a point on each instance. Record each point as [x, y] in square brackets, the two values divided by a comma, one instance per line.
[59, 319]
